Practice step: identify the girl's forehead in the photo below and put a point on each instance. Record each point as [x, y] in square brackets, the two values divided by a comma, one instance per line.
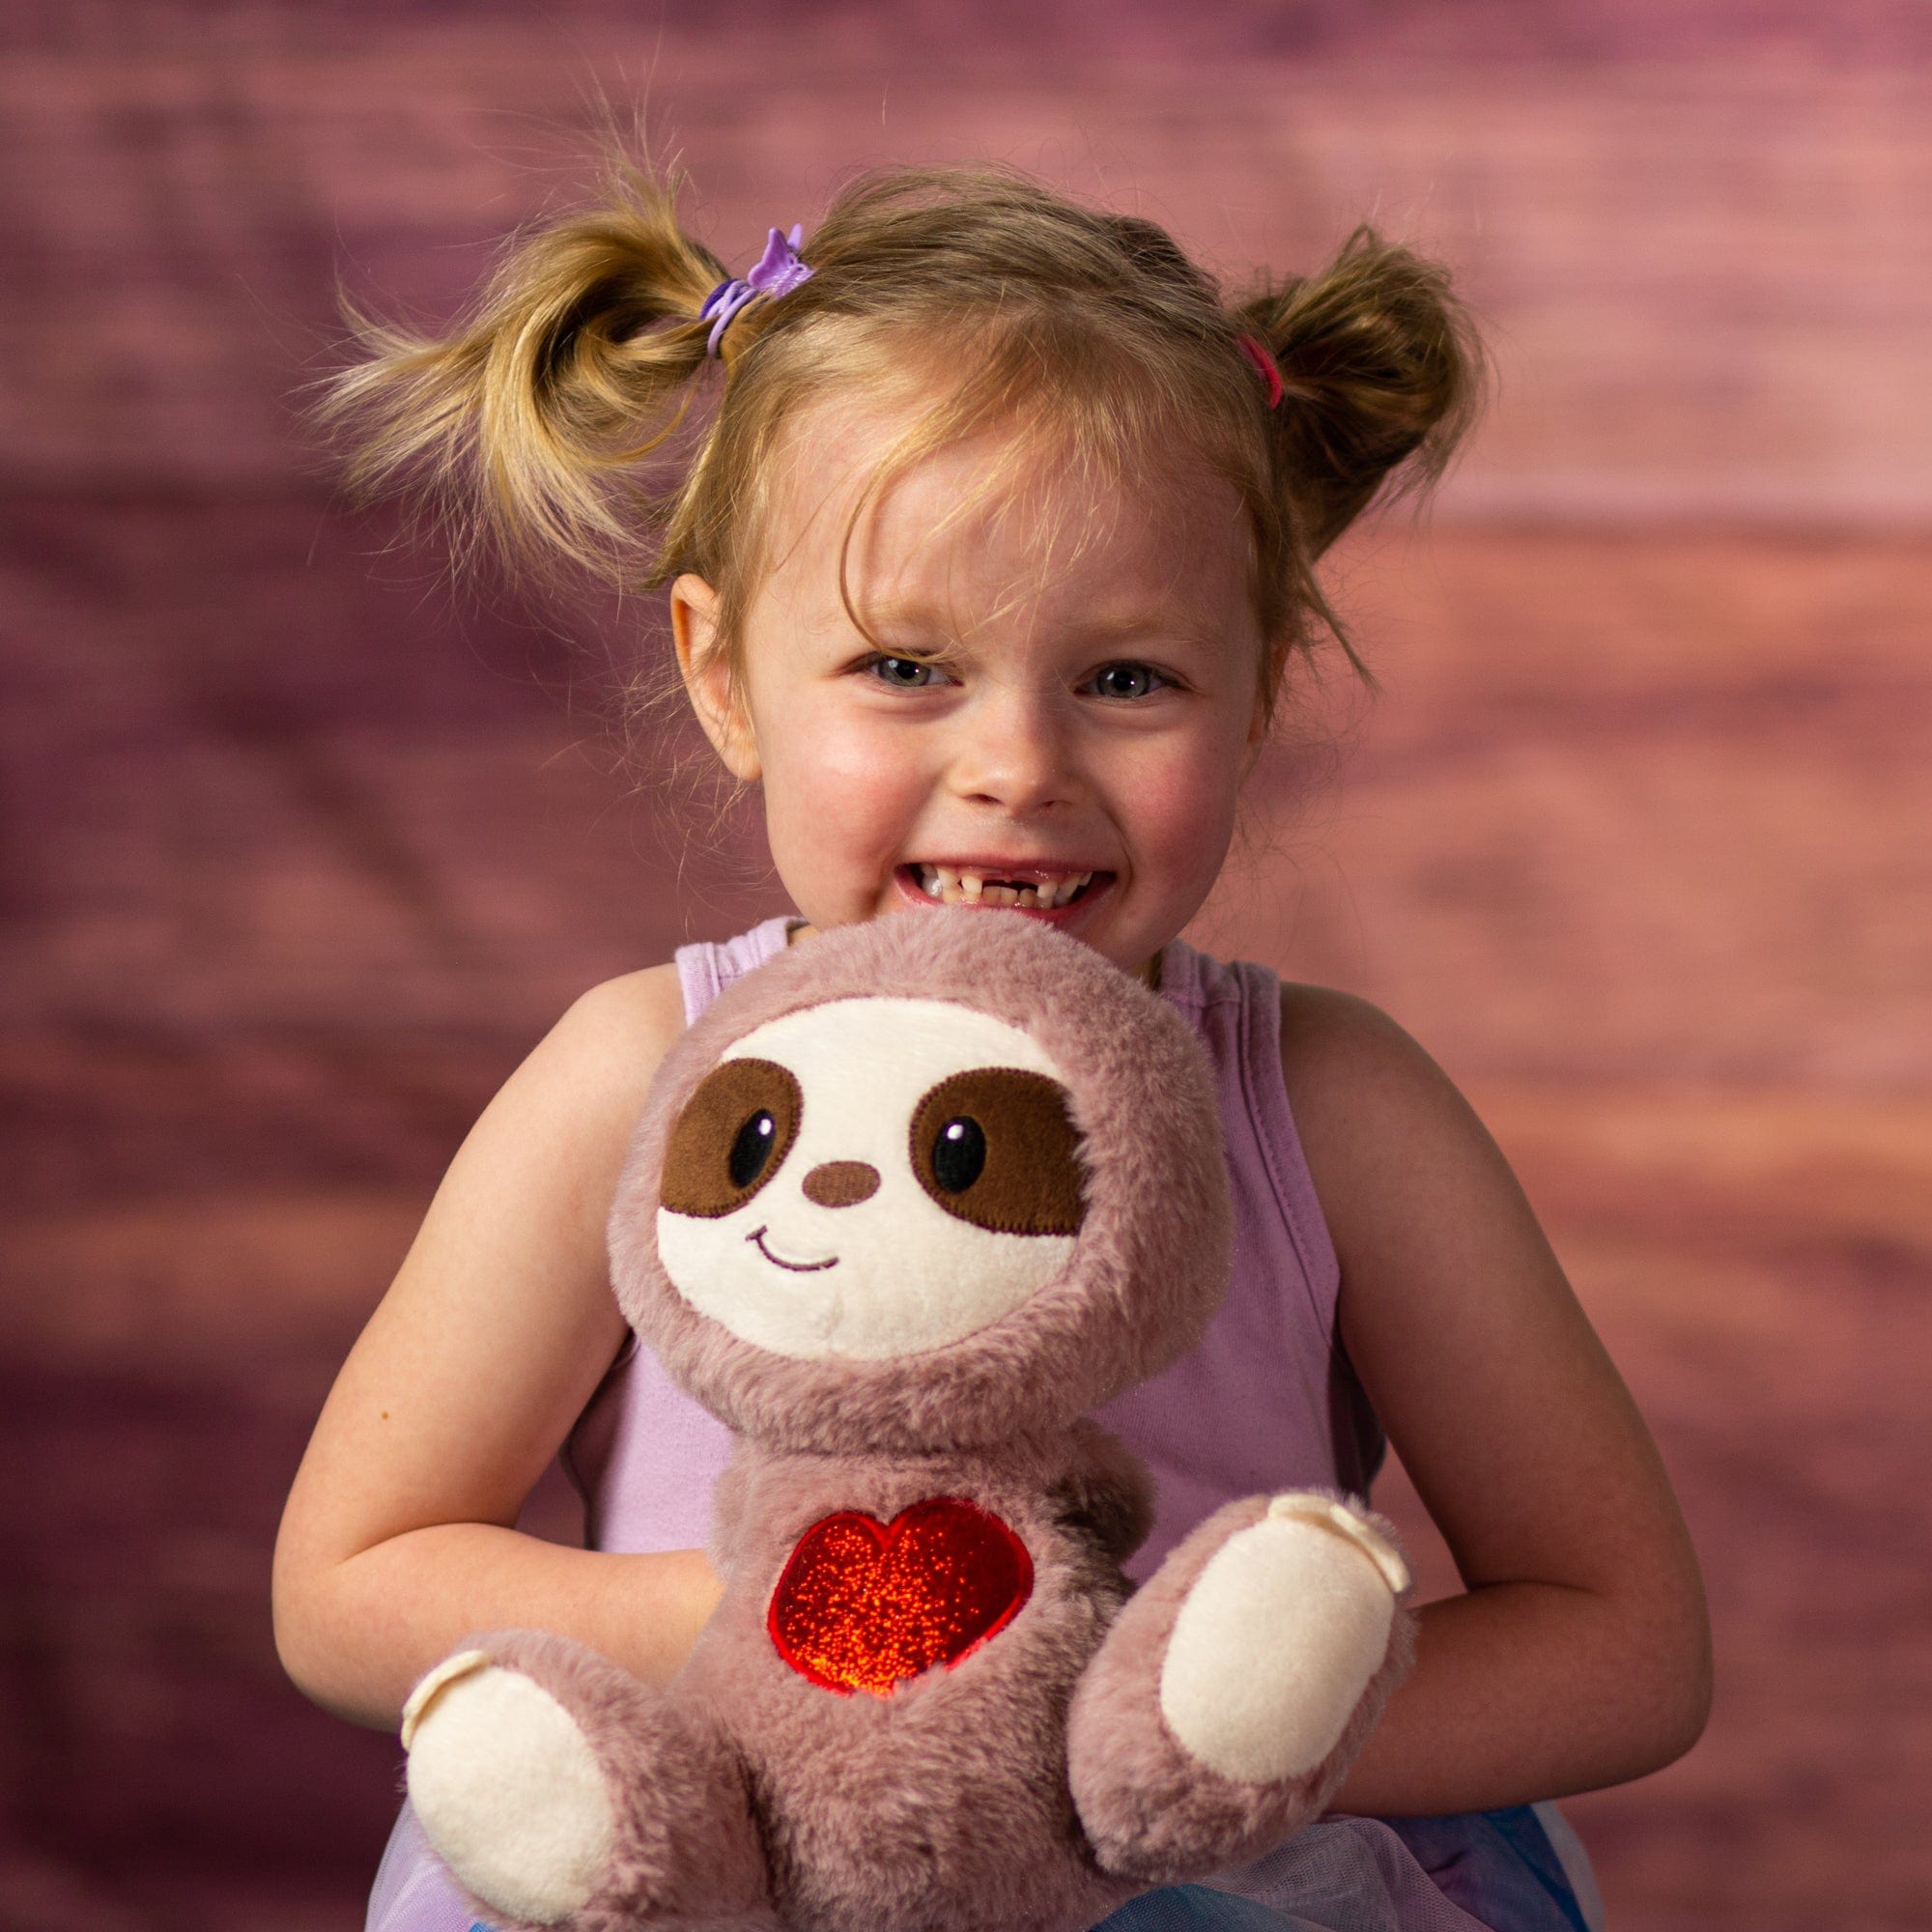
[1005, 509]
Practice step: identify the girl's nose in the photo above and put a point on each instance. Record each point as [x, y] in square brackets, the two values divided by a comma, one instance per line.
[1011, 754]
[840, 1184]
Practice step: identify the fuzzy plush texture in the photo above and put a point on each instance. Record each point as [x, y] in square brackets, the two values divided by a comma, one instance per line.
[1144, 1281]
[684, 1843]
[1150, 1808]
[912, 1269]
[537, 1842]
[944, 1805]
[1261, 1706]
[1033, 1782]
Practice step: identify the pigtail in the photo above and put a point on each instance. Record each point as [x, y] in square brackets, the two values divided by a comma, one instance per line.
[576, 364]
[1382, 374]
[975, 297]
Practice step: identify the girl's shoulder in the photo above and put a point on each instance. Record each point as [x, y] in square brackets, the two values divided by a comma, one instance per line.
[619, 1022]
[646, 1004]
[1328, 1036]
[1384, 1129]
[588, 1077]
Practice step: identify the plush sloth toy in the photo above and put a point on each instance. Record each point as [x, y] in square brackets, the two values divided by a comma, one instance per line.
[904, 1205]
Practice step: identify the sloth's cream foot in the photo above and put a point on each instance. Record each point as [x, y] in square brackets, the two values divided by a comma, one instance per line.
[1278, 1638]
[506, 1788]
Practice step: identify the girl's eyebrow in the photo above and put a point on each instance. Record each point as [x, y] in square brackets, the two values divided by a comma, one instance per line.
[1162, 621]
[914, 617]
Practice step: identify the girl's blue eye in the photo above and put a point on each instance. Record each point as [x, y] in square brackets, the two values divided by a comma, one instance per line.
[907, 673]
[1126, 680]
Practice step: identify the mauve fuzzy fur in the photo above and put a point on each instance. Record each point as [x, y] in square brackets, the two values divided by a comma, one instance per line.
[945, 1806]
[1151, 1265]
[1150, 1810]
[688, 1849]
[748, 1795]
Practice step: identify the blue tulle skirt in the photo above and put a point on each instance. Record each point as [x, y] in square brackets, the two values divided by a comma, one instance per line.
[1487, 1871]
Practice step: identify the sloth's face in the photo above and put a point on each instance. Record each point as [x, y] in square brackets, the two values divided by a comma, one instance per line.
[870, 1179]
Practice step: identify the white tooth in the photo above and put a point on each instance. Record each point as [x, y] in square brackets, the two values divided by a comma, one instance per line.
[928, 880]
[1000, 896]
[972, 885]
[1065, 889]
[948, 884]
[953, 895]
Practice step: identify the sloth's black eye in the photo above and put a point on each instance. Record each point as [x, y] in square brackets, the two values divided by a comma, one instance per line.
[753, 1148]
[959, 1155]
[996, 1147]
[731, 1138]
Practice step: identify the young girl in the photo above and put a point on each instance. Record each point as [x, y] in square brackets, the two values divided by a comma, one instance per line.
[988, 573]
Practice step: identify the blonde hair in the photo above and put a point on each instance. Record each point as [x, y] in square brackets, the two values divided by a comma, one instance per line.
[541, 424]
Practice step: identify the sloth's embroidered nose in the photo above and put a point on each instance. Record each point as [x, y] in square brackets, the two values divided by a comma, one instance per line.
[839, 1184]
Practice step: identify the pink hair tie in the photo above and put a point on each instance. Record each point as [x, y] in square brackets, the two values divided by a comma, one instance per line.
[1265, 368]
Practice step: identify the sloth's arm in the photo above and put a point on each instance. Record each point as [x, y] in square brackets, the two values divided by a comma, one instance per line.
[1105, 1494]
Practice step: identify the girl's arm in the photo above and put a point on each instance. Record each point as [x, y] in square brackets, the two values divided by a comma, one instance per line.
[1581, 1655]
[397, 1537]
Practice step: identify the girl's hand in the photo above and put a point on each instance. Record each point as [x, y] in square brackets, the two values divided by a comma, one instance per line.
[397, 1539]
[1581, 1655]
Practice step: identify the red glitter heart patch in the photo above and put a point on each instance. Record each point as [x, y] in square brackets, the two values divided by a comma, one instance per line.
[863, 1605]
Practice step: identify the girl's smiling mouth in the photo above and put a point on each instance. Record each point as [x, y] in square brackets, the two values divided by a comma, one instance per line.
[757, 1237]
[1039, 890]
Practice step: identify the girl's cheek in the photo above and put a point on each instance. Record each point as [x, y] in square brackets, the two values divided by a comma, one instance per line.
[1184, 798]
[857, 761]
[842, 787]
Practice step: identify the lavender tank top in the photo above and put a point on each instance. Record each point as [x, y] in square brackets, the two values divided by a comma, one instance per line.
[1267, 1401]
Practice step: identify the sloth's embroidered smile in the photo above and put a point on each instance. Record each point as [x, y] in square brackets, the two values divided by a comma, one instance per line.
[757, 1237]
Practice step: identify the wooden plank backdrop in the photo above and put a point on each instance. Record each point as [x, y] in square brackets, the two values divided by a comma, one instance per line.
[306, 847]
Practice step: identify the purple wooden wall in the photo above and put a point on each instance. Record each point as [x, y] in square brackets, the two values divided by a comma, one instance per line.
[303, 850]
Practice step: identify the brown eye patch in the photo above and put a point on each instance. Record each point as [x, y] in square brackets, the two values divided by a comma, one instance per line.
[731, 1138]
[996, 1147]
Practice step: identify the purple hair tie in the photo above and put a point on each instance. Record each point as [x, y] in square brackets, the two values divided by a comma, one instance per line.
[778, 271]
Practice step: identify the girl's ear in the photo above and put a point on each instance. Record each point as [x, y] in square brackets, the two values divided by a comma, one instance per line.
[705, 665]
